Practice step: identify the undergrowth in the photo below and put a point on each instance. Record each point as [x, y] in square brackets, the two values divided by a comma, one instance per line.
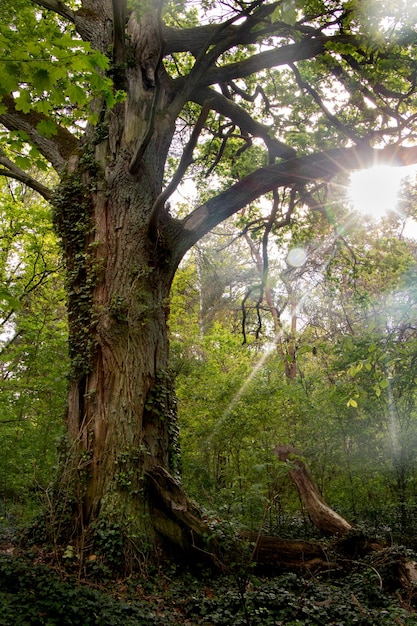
[37, 595]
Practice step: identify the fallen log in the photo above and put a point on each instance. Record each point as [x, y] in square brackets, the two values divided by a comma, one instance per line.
[181, 523]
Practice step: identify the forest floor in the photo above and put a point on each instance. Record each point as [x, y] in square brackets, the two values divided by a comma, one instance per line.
[34, 592]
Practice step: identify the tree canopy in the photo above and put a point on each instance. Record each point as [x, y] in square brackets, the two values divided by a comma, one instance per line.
[317, 88]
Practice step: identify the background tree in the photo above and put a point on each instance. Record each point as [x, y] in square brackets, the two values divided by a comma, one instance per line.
[33, 348]
[347, 410]
[105, 93]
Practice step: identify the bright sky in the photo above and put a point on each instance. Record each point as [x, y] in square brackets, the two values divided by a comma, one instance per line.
[374, 191]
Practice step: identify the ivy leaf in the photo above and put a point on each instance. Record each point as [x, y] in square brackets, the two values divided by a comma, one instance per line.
[47, 128]
[42, 79]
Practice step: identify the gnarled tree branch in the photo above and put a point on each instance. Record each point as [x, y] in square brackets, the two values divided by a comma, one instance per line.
[210, 51]
[307, 48]
[258, 26]
[57, 6]
[246, 123]
[301, 170]
[56, 150]
[346, 130]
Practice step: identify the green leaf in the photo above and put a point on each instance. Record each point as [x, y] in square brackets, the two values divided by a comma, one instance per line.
[76, 94]
[289, 12]
[42, 79]
[23, 102]
[23, 162]
[9, 299]
[47, 128]
[355, 369]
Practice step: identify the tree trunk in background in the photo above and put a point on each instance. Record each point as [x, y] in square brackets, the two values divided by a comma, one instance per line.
[285, 342]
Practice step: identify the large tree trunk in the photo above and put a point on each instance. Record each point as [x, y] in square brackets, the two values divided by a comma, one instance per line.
[121, 410]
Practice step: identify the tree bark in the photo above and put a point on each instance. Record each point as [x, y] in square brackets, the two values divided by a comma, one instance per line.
[121, 411]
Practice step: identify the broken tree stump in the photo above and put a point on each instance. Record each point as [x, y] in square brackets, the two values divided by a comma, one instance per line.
[321, 514]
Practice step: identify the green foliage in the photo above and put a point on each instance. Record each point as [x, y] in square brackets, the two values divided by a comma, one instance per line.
[53, 69]
[33, 350]
[345, 318]
[35, 595]
[350, 410]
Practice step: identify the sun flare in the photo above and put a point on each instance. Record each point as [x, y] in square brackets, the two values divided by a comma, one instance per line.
[374, 191]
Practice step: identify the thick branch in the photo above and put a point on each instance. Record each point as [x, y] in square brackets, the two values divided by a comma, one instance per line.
[307, 48]
[56, 150]
[297, 171]
[211, 50]
[246, 123]
[24, 178]
[57, 6]
[258, 27]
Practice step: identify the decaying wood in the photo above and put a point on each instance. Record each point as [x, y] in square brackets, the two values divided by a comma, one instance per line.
[287, 554]
[181, 523]
[175, 517]
[323, 517]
